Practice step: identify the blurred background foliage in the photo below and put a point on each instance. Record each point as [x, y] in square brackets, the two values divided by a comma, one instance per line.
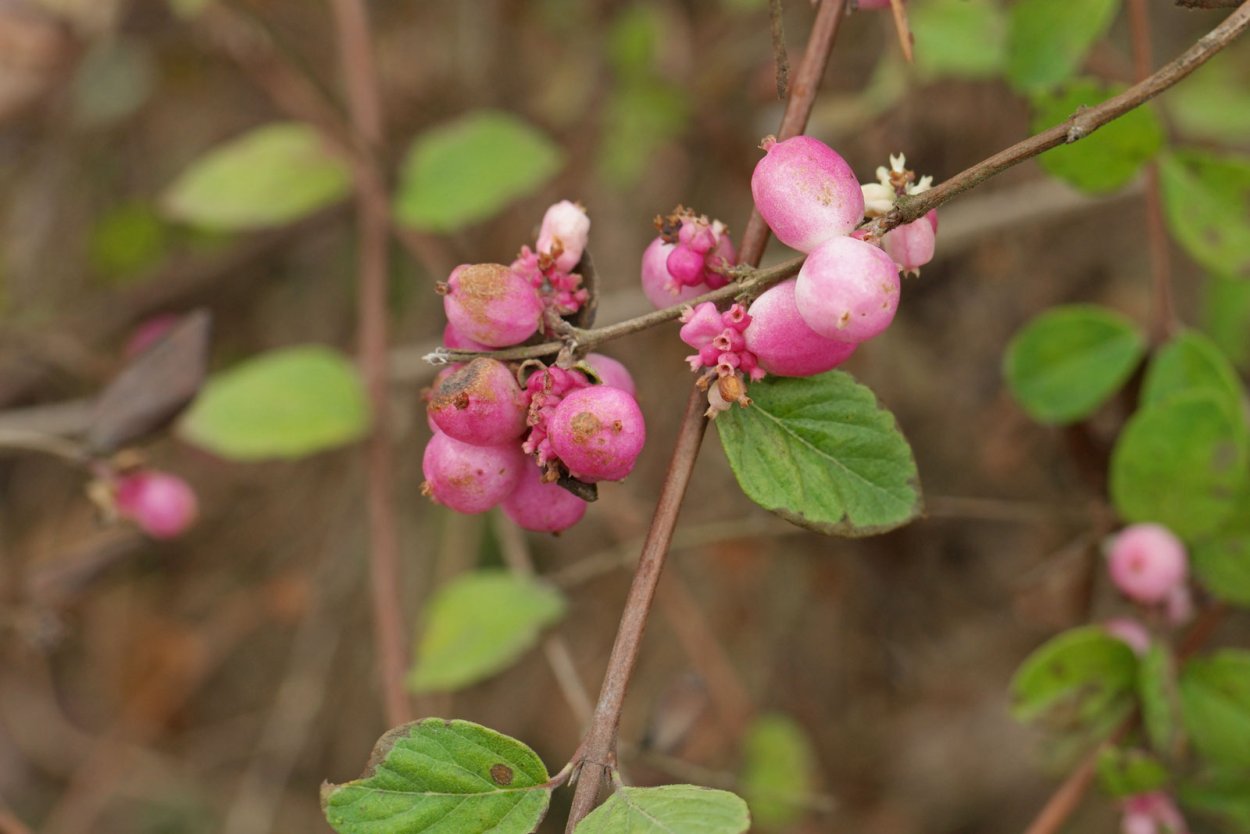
[157, 157]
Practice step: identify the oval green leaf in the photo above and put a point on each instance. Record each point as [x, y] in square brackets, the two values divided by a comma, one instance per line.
[1191, 362]
[666, 810]
[1082, 680]
[477, 625]
[436, 775]
[269, 176]
[467, 170]
[1226, 316]
[1047, 40]
[777, 771]
[1125, 771]
[1222, 566]
[1207, 200]
[1215, 703]
[1180, 463]
[822, 453]
[1068, 361]
[1110, 157]
[282, 404]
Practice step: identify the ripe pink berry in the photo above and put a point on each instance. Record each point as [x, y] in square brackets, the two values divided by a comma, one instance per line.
[468, 478]
[563, 234]
[911, 246]
[453, 339]
[492, 305]
[612, 373]
[1147, 562]
[806, 192]
[598, 433]
[660, 288]
[163, 505]
[783, 343]
[540, 507]
[847, 290]
[480, 403]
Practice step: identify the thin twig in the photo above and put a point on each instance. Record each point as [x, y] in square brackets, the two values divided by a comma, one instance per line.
[1163, 317]
[776, 28]
[360, 77]
[1208, 4]
[599, 746]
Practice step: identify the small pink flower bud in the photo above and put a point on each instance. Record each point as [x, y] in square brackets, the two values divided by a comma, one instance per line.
[1147, 562]
[847, 290]
[598, 433]
[1152, 813]
[163, 505]
[563, 235]
[700, 325]
[806, 192]
[685, 265]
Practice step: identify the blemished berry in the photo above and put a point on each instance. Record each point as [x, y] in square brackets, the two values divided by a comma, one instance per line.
[847, 290]
[806, 192]
[783, 343]
[1147, 562]
[660, 288]
[163, 505]
[563, 235]
[911, 246]
[468, 478]
[491, 305]
[542, 507]
[612, 372]
[480, 403]
[598, 433]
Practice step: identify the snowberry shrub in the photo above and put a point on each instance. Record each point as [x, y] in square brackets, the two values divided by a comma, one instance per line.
[1147, 562]
[480, 403]
[468, 478]
[847, 290]
[597, 432]
[163, 505]
[491, 304]
[806, 192]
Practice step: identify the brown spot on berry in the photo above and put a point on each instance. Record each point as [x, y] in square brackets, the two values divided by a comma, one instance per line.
[501, 774]
[584, 426]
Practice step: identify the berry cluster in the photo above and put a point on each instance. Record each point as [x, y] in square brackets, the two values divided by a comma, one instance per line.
[846, 293]
[517, 435]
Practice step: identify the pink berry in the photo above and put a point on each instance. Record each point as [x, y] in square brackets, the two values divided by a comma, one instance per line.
[911, 245]
[612, 373]
[540, 507]
[932, 218]
[453, 339]
[1147, 562]
[847, 290]
[480, 403]
[685, 265]
[660, 288]
[783, 343]
[468, 478]
[492, 305]
[563, 235]
[806, 192]
[1129, 631]
[598, 433]
[163, 505]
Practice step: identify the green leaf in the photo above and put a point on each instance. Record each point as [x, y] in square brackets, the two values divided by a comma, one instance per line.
[1180, 463]
[1082, 680]
[282, 404]
[1207, 200]
[1226, 316]
[1222, 795]
[1125, 772]
[1191, 362]
[478, 625]
[442, 776]
[270, 176]
[1215, 703]
[1222, 565]
[1110, 157]
[1160, 704]
[960, 38]
[467, 170]
[822, 453]
[778, 770]
[1068, 361]
[1047, 40]
[667, 810]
